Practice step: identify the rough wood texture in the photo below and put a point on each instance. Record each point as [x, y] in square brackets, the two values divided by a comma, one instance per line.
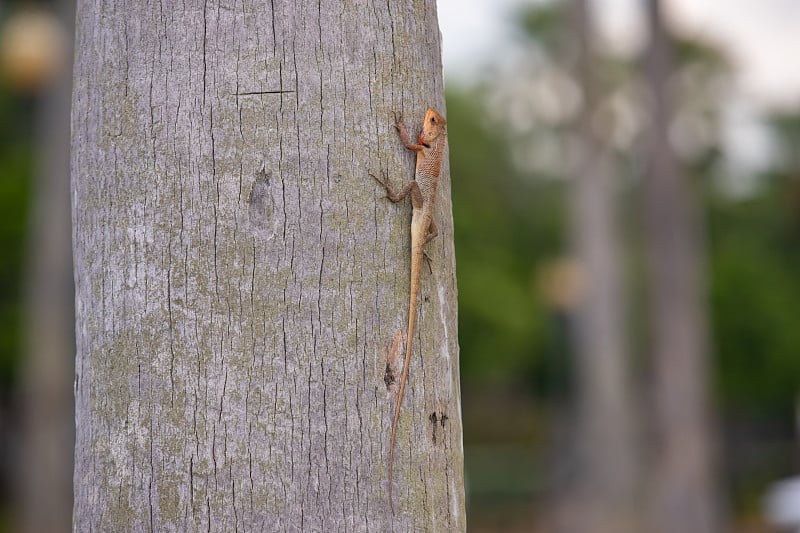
[239, 275]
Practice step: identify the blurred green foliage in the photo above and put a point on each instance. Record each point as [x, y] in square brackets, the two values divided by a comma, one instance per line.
[15, 173]
[755, 260]
[511, 221]
[16, 161]
[504, 224]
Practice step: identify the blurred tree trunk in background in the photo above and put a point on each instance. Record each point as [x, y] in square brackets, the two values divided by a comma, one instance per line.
[239, 274]
[684, 489]
[45, 467]
[601, 497]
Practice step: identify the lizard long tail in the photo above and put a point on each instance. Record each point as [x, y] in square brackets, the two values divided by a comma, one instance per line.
[416, 265]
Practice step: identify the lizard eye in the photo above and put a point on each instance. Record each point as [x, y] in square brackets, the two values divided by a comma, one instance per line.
[433, 120]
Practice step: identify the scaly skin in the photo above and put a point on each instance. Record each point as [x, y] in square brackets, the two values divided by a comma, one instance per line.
[429, 148]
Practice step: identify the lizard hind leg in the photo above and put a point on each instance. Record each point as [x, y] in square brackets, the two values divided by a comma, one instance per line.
[433, 231]
[396, 196]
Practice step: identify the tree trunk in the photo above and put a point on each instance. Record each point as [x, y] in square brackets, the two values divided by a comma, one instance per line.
[239, 274]
[684, 489]
[603, 492]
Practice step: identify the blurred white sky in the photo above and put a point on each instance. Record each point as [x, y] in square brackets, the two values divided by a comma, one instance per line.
[762, 37]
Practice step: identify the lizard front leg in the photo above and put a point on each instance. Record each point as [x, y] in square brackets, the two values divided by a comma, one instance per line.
[404, 138]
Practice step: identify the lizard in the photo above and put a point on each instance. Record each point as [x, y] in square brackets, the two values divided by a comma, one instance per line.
[429, 148]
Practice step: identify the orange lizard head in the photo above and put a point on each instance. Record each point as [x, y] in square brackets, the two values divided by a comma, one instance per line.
[434, 126]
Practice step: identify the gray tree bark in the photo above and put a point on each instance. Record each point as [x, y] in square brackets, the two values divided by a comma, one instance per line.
[239, 275]
[602, 497]
[684, 489]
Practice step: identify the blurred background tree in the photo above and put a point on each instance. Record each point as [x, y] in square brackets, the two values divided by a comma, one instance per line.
[513, 234]
[36, 414]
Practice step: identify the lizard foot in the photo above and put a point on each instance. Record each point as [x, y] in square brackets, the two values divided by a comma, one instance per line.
[385, 183]
[391, 194]
[428, 260]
